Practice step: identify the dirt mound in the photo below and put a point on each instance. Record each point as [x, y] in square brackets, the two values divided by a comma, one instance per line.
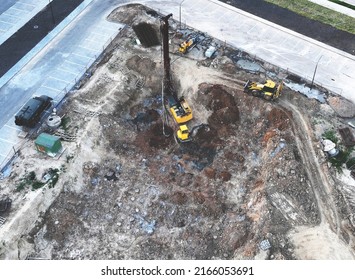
[223, 105]
[342, 107]
[129, 13]
[278, 119]
[144, 66]
[224, 116]
[154, 137]
[219, 98]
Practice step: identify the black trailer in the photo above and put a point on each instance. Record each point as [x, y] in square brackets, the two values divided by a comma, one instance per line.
[30, 114]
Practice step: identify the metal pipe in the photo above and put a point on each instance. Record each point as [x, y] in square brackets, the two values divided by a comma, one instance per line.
[50, 6]
[314, 74]
[165, 33]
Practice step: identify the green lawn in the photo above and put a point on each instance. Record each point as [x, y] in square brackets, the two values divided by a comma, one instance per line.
[318, 13]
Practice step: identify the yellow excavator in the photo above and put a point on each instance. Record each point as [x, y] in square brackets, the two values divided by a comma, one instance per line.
[184, 134]
[188, 45]
[179, 109]
[269, 90]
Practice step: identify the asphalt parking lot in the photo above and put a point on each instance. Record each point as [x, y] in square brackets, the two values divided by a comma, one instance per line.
[55, 69]
[29, 35]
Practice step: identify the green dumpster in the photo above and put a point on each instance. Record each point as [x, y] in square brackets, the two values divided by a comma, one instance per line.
[48, 144]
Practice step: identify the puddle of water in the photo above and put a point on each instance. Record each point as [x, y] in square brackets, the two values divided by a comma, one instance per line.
[305, 90]
[281, 145]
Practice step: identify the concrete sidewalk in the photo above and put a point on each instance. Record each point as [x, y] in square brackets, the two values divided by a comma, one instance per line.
[337, 7]
[267, 41]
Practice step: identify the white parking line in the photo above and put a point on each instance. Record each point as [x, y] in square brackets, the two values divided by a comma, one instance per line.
[82, 56]
[24, 3]
[16, 11]
[61, 80]
[90, 49]
[12, 127]
[55, 89]
[91, 40]
[19, 10]
[71, 62]
[97, 33]
[106, 28]
[7, 22]
[64, 70]
[11, 15]
[7, 141]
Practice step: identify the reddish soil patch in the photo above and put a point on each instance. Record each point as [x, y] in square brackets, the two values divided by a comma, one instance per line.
[219, 98]
[154, 137]
[278, 119]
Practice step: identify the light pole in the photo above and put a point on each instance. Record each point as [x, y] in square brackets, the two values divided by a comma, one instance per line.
[50, 6]
[315, 69]
[180, 12]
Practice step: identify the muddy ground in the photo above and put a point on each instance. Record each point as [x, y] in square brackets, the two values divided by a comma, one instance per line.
[253, 184]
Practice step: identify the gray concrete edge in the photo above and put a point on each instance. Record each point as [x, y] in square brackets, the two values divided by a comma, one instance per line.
[42, 44]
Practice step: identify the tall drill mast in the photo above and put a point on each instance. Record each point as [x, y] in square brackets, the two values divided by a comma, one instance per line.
[168, 88]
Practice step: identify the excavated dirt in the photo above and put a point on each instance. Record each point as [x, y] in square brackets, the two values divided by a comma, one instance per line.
[254, 171]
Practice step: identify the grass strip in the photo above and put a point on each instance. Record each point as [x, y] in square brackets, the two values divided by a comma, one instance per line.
[319, 13]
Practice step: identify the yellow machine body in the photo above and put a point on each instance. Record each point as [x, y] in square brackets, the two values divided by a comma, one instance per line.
[269, 90]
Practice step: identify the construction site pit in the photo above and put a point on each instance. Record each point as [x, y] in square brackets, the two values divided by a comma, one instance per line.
[254, 183]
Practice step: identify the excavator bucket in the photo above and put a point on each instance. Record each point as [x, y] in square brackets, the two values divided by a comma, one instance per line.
[278, 90]
[187, 45]
[247, 85]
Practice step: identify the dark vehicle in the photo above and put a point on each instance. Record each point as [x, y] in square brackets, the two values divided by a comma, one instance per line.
[5, 204]
[31, 113]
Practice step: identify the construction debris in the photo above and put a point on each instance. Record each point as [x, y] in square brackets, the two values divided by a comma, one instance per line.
[347, 136]
[252, 179]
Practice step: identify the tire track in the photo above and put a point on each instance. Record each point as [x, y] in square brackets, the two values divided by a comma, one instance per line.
[319, 182]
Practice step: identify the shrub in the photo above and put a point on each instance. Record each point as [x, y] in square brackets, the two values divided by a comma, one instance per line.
[330, 135]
